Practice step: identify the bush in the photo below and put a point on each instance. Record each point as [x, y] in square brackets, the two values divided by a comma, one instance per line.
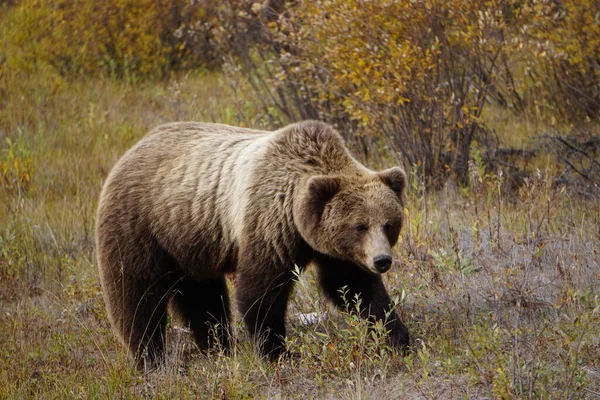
[415, 76]
[410, 75]
[564, 37]
[121, 38]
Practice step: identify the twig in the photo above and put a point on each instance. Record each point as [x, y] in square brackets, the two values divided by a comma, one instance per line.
[572, 147]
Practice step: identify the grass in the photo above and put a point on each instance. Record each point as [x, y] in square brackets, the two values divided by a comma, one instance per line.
[499, 289]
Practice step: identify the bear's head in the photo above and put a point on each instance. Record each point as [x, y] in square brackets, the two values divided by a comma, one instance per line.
[356, 218]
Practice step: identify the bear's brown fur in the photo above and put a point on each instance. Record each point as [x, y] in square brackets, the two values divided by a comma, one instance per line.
[193, 201]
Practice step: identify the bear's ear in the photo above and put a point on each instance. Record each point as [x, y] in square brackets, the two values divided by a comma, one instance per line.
[395, 178]
[309, 207]
[321, 189]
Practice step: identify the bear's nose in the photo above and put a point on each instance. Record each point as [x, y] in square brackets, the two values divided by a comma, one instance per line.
[382, 263]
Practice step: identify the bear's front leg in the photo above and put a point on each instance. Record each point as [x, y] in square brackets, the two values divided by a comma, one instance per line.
[375, 301]
[262, 300]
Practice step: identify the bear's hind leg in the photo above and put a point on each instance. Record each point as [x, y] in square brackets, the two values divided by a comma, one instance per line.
[137, 285]
[204, 306]
[144, 319]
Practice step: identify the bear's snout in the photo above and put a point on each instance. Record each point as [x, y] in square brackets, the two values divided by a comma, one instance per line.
[382, 263]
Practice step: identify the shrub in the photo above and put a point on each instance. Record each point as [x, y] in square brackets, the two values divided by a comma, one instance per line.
[122, 38]
[564, 37]
[410, 75]
[414, 76]
[16, 166]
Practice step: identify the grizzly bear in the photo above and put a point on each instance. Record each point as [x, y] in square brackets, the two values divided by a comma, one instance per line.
[192, 202]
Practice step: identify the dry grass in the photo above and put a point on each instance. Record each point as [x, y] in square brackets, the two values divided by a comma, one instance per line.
[500, 290]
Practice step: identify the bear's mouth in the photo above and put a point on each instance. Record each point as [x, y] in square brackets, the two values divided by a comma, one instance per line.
[378, 265]
[371, 269]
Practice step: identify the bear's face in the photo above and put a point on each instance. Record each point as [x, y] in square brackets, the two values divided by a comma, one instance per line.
[357, 219]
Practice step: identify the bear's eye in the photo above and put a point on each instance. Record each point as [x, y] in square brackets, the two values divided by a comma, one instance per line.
[361, 228]
[387, 226]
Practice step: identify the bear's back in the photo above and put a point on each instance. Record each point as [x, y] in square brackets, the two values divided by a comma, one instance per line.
[178, 183]
[193, 185]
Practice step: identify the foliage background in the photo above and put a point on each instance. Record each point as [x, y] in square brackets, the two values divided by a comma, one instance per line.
[491, 106]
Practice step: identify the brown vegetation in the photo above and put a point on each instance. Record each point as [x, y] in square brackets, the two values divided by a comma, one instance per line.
[498, 282]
